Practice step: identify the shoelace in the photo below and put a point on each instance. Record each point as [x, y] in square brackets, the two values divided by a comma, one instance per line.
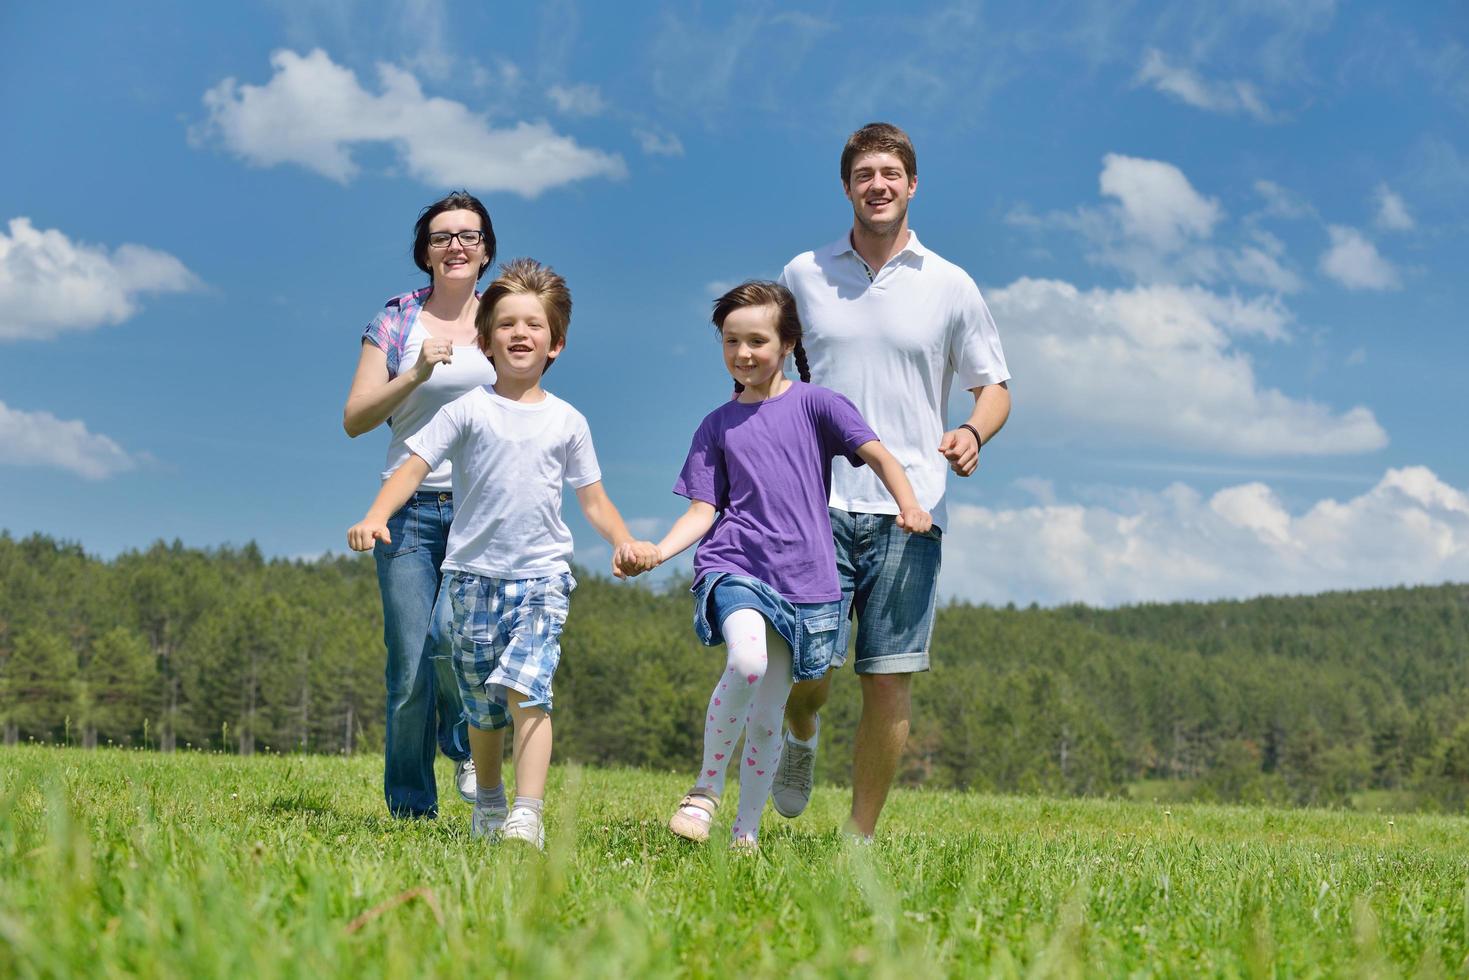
[798, 774]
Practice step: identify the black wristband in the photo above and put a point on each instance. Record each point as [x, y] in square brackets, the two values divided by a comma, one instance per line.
[978, 442]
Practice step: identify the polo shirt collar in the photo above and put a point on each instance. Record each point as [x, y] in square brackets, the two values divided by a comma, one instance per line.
[843, 246]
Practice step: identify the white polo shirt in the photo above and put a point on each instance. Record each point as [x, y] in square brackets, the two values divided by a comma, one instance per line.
[894, 340]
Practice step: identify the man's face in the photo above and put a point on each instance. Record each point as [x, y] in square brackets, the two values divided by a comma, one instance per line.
[879, 188]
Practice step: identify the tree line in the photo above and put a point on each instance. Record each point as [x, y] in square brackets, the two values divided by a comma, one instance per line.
[1322, 700]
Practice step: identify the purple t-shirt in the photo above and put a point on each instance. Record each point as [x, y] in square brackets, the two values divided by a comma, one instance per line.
[766, 467]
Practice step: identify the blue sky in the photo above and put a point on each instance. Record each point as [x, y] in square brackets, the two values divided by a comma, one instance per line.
[1224, 243]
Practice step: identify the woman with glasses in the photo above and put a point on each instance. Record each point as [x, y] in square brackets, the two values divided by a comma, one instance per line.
[418, 354]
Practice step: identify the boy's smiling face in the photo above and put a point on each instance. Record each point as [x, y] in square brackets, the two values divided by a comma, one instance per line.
[520, 337]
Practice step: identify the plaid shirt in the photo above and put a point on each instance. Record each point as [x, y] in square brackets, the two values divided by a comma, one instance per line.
[389, 330]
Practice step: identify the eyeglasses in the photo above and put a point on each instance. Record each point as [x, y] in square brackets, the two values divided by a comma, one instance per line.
[467, 239]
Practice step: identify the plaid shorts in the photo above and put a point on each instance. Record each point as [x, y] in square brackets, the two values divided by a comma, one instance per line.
[506, 636]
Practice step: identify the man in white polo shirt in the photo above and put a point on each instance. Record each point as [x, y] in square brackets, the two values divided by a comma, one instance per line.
[892, 326]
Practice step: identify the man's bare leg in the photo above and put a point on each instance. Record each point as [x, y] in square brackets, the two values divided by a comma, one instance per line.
[881, 734]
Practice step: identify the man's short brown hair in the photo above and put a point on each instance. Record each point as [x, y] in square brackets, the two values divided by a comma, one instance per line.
[879, 137]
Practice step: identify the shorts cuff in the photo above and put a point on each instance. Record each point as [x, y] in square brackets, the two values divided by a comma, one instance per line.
[489, 724]
[897, 663]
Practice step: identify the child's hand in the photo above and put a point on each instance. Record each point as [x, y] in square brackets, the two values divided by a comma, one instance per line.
[634, 558]
[915, 520]
[648, 555]
[361, 535]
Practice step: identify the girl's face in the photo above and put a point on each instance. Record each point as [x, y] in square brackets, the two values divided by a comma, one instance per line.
[520, 336]
[753, 352]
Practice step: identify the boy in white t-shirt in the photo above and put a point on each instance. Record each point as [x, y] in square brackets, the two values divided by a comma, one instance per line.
[507, 570]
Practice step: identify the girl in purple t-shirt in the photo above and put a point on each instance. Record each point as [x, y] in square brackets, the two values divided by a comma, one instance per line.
[757, 477]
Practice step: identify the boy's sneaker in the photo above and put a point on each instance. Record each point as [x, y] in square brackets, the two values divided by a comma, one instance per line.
[486, 821]
[791, 791]
[525, 824]
[465, 780]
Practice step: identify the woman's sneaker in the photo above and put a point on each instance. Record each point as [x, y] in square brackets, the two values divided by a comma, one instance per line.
[464, 778]
[525, 824]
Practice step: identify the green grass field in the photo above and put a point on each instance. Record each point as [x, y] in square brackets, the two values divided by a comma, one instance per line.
[123, 863]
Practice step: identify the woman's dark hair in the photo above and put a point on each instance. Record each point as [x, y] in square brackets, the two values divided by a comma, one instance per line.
[762, 292]
[455, 201]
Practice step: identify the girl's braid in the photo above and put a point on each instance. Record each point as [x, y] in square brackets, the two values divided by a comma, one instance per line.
[802, 367]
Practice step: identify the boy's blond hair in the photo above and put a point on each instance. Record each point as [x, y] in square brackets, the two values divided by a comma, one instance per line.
[526, 276]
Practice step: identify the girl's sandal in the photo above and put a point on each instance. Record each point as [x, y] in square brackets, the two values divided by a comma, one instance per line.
[689, 826]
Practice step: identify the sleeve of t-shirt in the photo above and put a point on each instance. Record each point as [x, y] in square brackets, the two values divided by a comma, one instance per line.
[441, 438]
[974, 342]
[703, 476]
[844, 429]
[581, 456]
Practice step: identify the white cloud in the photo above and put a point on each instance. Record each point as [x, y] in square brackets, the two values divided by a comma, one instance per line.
[1392, 212]
[313, 113]
[1283, 203]
[1354, 261]
[1187, 86]
[50, 284]
[1157, 365]
[1261, 264]
[1410, 528]
[577, 100]
[41, 439]
[1158, 228]
[1157, 201]
[662, 145]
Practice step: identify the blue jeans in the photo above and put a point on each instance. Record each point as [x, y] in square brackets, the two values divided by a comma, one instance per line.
[423, 694]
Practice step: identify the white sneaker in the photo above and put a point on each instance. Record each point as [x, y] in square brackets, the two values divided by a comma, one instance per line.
[465, 780]
[486, 821]
[525, 824]
[791, 791]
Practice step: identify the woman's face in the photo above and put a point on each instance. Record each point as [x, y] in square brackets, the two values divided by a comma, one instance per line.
[455, 260]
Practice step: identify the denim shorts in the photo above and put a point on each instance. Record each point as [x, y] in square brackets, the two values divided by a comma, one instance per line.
[812, 629]
[506, 635]
[889, 583]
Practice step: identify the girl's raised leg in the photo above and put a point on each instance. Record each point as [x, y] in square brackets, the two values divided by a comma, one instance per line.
[763, 739]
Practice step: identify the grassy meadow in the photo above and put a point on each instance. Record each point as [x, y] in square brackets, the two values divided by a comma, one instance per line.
[117, 863]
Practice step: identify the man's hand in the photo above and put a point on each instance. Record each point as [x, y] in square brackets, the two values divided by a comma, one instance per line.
[915, 520]
[961, 448]
[361, 535]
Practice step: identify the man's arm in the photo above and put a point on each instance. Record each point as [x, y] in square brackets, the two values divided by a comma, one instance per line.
[991, 410]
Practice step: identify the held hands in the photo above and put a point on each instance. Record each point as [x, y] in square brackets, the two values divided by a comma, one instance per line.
[915, 520]
[632, 558]
[433, 352]
[961, 448]
[361, 535]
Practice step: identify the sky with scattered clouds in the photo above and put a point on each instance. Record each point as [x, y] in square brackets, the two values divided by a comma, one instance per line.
[1224, 244]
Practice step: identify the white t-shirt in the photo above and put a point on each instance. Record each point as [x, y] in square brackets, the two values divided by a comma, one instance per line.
[510, 459]
[894, 340]
[468, 369]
